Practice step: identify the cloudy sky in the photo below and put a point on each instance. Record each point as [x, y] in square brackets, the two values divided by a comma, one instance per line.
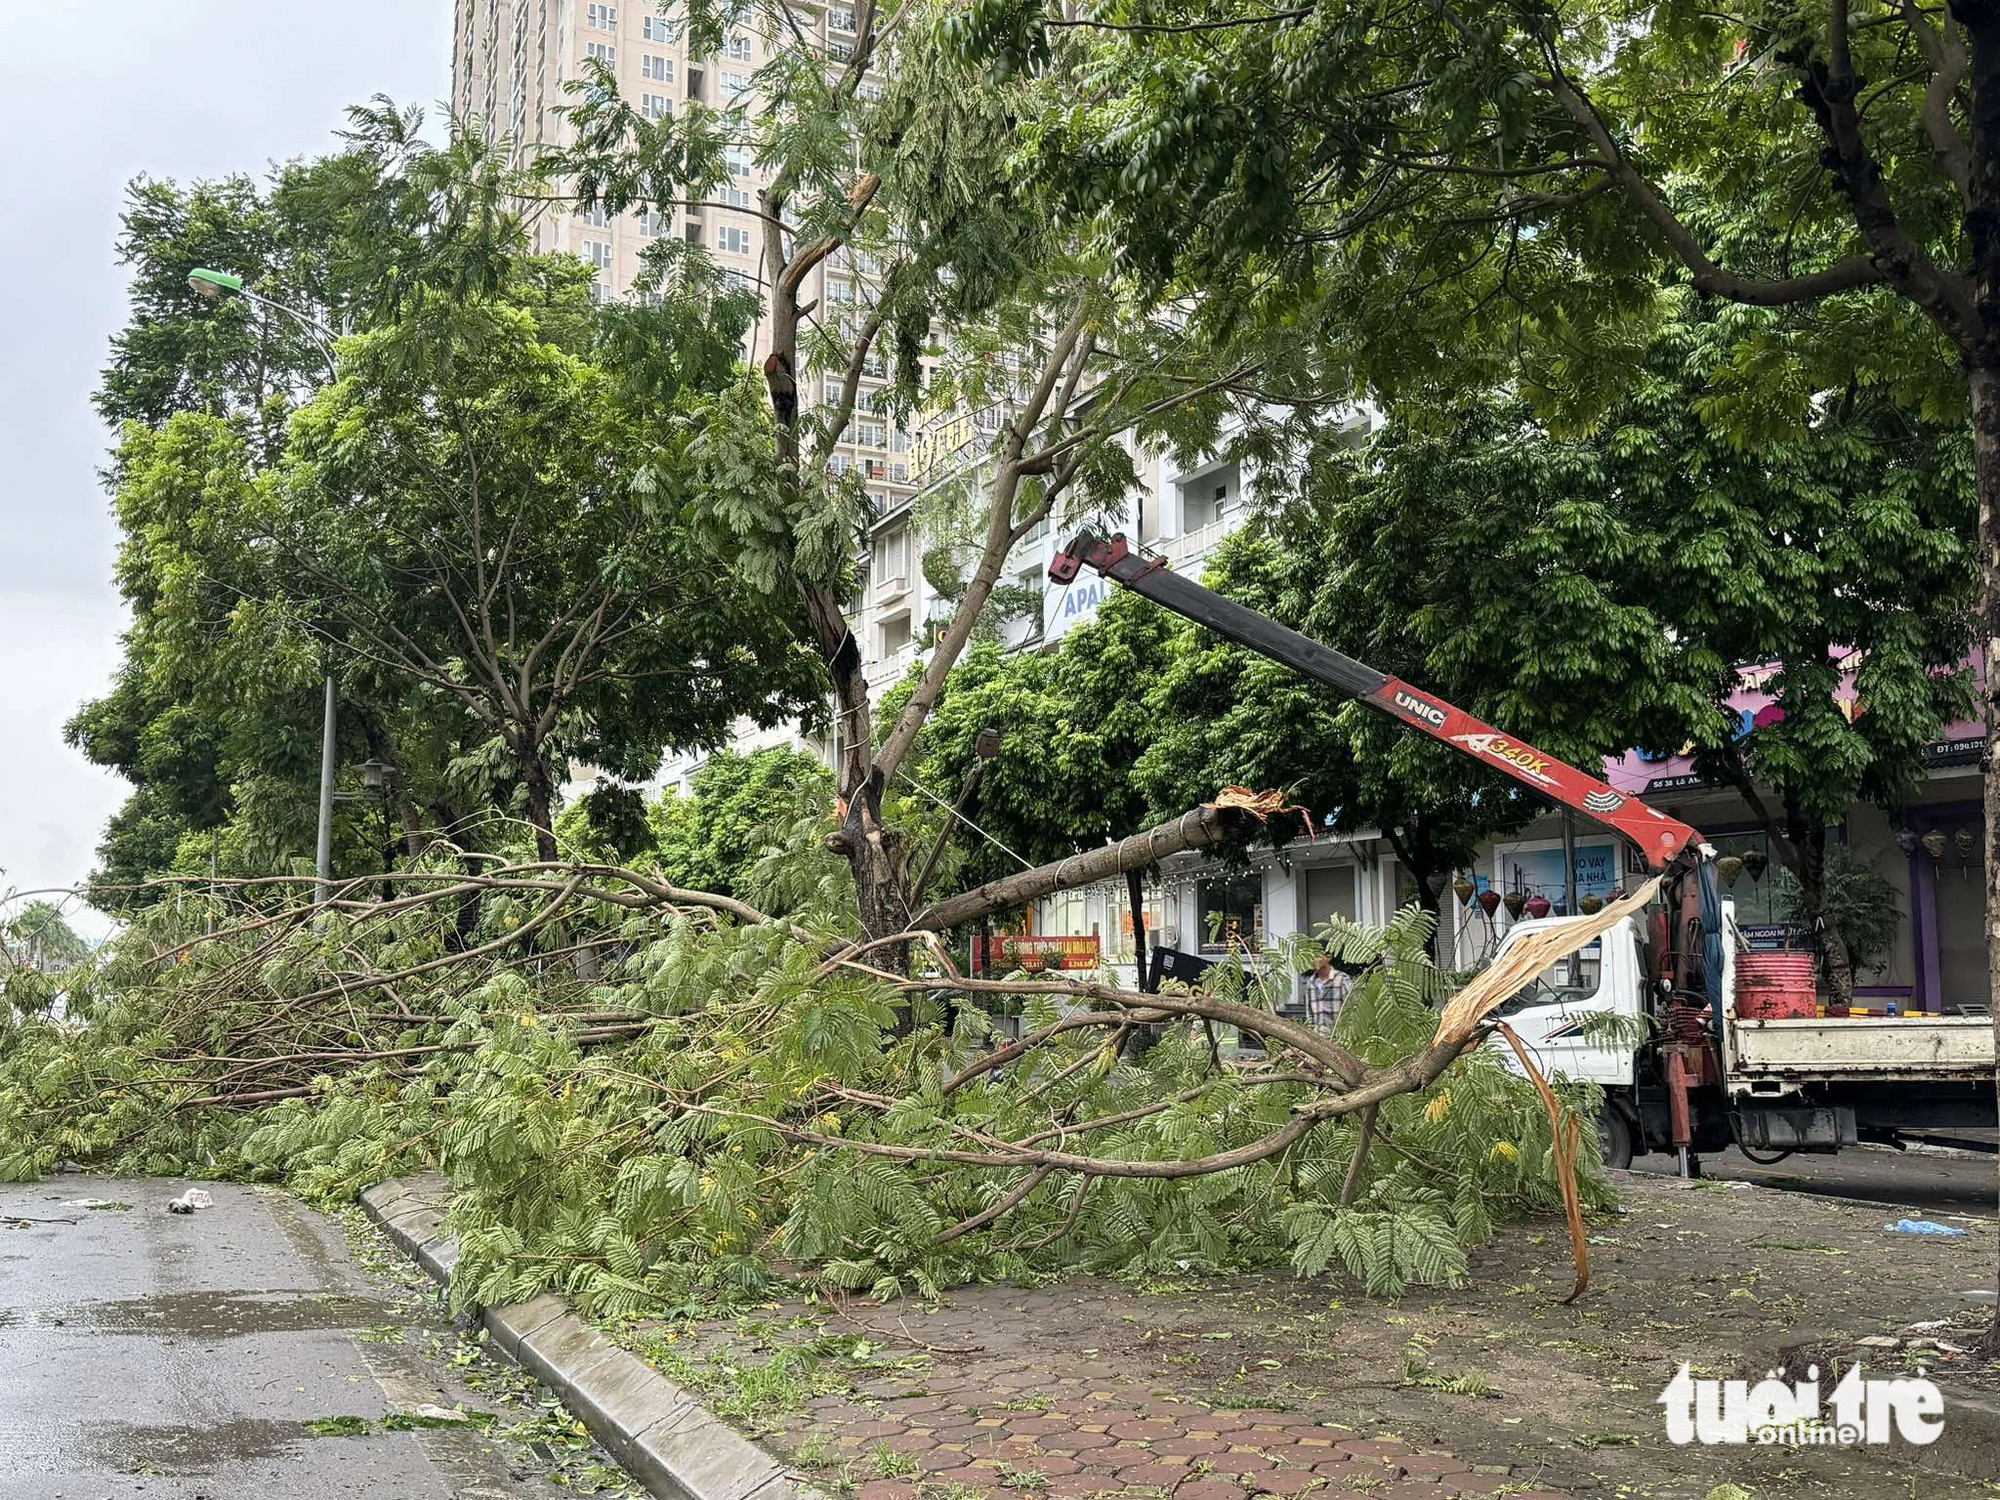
[91, 95]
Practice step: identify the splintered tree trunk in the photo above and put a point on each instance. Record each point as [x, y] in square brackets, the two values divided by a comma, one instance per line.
[1985, 380]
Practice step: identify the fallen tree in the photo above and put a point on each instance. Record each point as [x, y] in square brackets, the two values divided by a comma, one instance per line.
[735, 1093]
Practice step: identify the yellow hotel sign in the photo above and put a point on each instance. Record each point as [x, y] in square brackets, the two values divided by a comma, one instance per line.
[938, 442]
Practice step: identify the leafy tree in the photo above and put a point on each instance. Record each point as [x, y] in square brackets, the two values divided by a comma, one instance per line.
[39, 936]
[1509, 188]
[481, 507]
[1592, 594]
[712, 837]
[984, 297]
[221, 739]
[555, 606]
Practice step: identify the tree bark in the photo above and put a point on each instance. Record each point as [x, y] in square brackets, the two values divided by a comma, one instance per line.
[1414, 852]
[1807, 861]
[541, 801]
[1200, 828]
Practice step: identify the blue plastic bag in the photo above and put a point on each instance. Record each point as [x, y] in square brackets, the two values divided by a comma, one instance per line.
[1920, 1226]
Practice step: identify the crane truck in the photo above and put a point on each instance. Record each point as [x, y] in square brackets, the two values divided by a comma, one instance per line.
[1709, 1071]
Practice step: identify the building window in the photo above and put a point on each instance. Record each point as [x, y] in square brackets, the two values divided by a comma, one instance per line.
[892, 557]
[655, 106]
[599, 293]
[731, 240]
[839, 19]
[598, 253]
[694, 83]
[604, 52]
[596, 217]
[1232, 913]
[738, 158]
[656, 29]
[895, 633]
[737, 49]
[734, 84]
[840, 291]
[868, 89]
[839, 51]
[653, 224]
[899, 473]
[735, 197]
[651, 65]
[870, 434]
[603, 17]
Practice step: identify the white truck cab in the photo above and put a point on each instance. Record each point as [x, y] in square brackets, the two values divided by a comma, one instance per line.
[1549, 1015]
[1806, 1084]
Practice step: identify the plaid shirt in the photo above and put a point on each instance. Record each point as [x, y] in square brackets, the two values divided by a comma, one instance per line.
[1324, 998]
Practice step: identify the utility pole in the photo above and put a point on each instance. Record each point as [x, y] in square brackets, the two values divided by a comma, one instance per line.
[323, 862]
[213, 285]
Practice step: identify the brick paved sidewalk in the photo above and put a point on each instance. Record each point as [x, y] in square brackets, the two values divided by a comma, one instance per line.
[1119, 1441]
[1004, 1408]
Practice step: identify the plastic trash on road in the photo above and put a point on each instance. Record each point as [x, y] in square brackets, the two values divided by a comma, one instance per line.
[191, 1200]
[1920, 1226]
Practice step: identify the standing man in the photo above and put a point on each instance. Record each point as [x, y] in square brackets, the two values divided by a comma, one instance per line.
[1327, 989]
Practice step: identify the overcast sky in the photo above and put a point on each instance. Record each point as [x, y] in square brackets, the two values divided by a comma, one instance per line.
[91, 95]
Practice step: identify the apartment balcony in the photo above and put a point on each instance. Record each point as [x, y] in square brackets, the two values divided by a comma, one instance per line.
[1190, 549]
[886, 671]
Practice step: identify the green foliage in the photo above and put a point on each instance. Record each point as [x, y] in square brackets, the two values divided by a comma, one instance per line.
[666, 1133]
[738, 809]
[438, 525]
[1860, 900]
[39, 936]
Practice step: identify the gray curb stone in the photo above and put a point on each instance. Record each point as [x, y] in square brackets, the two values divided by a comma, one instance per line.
[668, 1441]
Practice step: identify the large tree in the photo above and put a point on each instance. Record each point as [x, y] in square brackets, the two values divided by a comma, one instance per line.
[1602, 592]
[1445, 187]
[482, 507]
[984, 297]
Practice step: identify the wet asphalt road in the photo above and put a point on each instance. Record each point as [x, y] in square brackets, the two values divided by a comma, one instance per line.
[1918, 1181]
[173, 1357]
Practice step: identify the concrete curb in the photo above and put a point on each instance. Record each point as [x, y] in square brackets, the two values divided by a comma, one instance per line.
[667, 1440]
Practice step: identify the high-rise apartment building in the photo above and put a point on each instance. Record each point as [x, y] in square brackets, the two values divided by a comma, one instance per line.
[511, 60]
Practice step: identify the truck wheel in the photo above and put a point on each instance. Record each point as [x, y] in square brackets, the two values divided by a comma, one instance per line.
[1614, 1136]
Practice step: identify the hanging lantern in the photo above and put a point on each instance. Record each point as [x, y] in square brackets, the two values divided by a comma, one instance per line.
[1729, 867]
[1964, 841]
[1489, 901]
[1756, 861]
[1934, 842]
[1538, 907]
[1906, 840]
[1515, 900]
[1590, 906]
[1464, 889]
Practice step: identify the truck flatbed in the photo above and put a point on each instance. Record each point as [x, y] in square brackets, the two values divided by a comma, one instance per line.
[1774, 1056]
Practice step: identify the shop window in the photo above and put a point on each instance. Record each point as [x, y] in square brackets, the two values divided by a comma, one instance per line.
[1758, 889]
[1231, 909]
[1153, 905]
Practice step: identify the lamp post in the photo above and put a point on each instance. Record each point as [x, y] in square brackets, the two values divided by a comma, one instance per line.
[213, 286]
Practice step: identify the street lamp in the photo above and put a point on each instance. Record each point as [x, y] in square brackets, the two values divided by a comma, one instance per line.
[211, 285]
